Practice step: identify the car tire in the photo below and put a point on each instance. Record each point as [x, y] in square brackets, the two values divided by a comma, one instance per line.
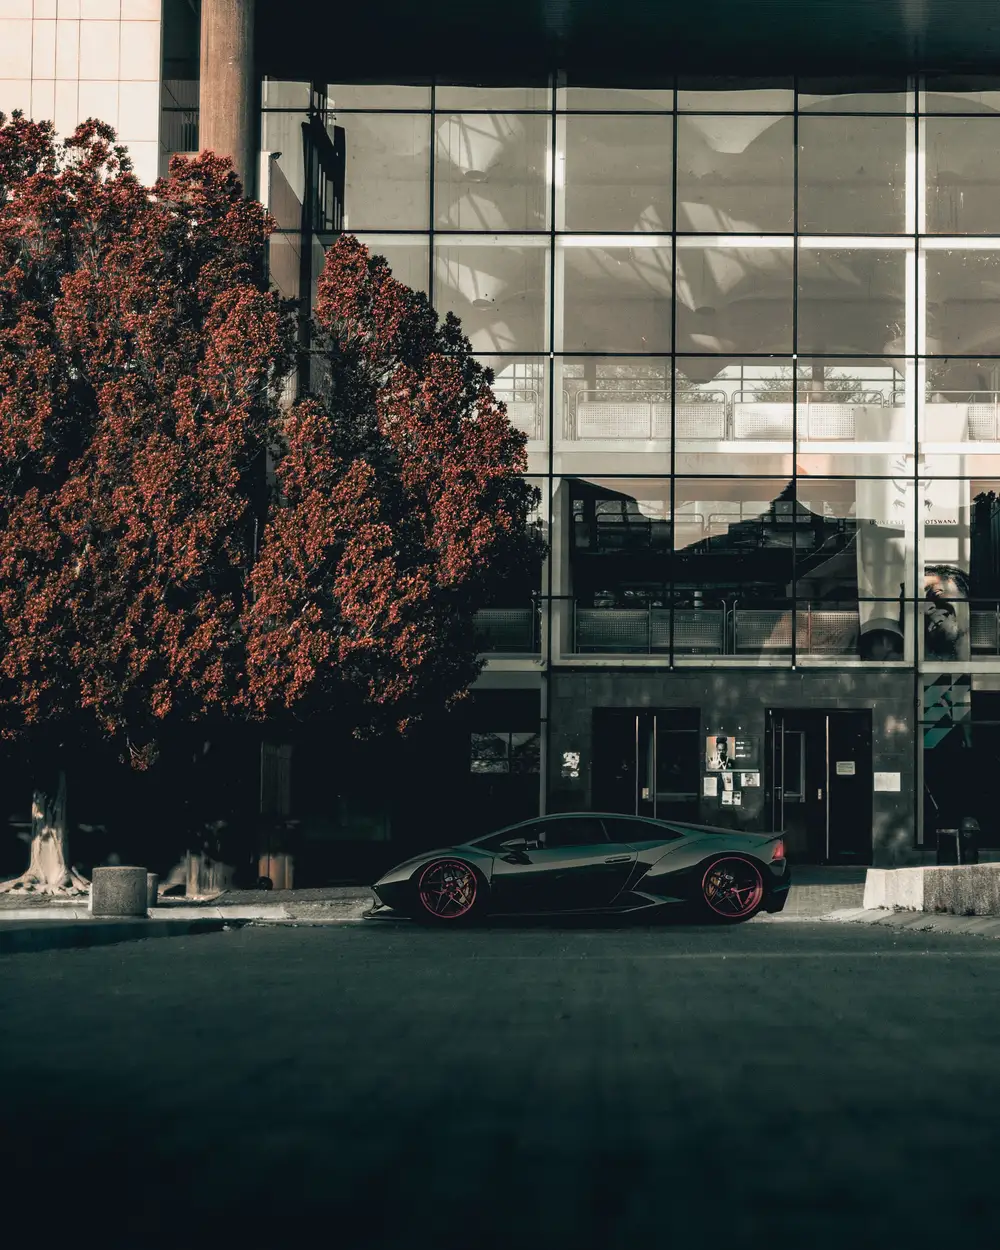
[449, 892]
[730, 889]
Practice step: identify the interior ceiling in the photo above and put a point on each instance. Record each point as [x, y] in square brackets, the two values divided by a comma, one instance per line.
[640, 40]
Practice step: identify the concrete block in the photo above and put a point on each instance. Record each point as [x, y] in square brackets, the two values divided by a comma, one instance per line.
[959, 890]
[964, 890]
[118, 891]
[152, 889]
[875, 886]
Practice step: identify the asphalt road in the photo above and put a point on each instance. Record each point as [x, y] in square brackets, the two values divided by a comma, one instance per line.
[811, 1085]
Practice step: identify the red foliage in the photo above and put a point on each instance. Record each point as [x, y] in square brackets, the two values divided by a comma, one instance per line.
[140, 358]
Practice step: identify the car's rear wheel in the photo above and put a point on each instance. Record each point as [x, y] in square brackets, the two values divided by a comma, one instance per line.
[732, 890]
[449, 891]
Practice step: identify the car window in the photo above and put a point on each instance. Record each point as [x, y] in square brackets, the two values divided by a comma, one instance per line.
[621, 829]
[574, 831]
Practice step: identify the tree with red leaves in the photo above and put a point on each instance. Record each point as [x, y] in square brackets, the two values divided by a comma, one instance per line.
[401, 510]
[147, 579]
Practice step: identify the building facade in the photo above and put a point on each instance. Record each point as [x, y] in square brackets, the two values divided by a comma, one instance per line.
[750, 327]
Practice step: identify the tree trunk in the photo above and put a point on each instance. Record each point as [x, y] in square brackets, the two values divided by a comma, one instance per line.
[48, 871]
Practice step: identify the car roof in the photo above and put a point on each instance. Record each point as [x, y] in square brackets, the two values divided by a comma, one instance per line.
[641, 820]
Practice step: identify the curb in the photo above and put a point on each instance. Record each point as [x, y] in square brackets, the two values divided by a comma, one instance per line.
[52, 935]
[918, 921]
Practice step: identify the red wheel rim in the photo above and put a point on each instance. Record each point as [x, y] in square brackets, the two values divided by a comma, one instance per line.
[447, 889]
[732, 887]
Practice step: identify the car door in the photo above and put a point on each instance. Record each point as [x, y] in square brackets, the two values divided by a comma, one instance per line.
[568, 865]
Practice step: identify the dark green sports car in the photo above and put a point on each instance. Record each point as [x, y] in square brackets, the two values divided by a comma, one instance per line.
[592, 862]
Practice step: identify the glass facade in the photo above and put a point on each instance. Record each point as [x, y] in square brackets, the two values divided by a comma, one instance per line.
[750, 332]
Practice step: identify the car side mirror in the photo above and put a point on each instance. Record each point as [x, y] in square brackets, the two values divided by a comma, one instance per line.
[514, 846]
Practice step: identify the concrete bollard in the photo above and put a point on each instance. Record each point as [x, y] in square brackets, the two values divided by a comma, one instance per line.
[118, 891]
[152, 889]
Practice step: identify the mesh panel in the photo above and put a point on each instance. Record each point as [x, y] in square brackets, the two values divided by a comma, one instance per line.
[828, 420]
[699, 631]
[615, 420]
[754, 420]
[612, 629]
[983, 422]
[523, 415]
[763, 630]
[505, 629]
[984, 632]
[701, 420]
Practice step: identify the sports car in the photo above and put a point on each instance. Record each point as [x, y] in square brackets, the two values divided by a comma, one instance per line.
[591, 862]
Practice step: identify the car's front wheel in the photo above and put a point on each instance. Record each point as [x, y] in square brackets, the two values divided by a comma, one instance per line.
[449, 891]
[732, 890]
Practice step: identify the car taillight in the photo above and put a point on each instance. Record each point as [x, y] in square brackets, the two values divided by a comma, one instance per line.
[779, 850]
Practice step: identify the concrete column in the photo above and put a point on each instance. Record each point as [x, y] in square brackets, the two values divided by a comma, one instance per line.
[228, 103]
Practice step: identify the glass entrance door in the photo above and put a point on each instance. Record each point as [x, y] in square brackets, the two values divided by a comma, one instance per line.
[647, 763]
[819, 784]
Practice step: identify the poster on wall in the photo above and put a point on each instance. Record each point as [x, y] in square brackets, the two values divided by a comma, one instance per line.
[710, 787]
[727, 798]
[726, 751]
[720, 752]
[750, 781]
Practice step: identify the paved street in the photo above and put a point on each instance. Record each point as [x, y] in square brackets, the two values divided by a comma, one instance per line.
[373, 1085]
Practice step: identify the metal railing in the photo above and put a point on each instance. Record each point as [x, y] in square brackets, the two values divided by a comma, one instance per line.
[511, 631]
[644, 415]
[719, 631]
[524, 409]
[715, 631]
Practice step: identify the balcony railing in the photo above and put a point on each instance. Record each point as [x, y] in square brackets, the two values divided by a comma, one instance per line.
[745, 417]
[507, 631]
[716, 631]
[702, 631]
[714, 417]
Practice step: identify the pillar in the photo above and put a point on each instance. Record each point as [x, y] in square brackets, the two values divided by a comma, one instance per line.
[228, 104]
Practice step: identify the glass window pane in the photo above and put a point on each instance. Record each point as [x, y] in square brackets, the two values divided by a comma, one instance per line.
[960, 413]
[734, 300]
[533, 98]
[490, 171]
[851, 300]
[613, 98]
[617, 299]
[496, 289]
[853, 566]
[853, 417]
[387, 179]
[277, 93]
[612, 414]
[733, 555]
[521, 382]
[735, 95]
[963, 175]
[735, 174]
[852, 95]
[963, 311]
[732, 416]
[619, 172]
[282, 132]
[966, 94]
[409, 259]
[852, 175]
[377, 96]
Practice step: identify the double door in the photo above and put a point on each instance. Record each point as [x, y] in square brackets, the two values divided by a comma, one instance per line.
[646, 763]
[819, 784]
